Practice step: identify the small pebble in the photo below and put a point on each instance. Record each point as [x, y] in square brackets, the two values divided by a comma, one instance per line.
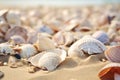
[33, 69]
[1, 74]
[5, 63]
[13, 66]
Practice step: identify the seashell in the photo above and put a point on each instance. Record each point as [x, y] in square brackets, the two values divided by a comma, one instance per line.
[101, 36]
[112, 54]
[48, 59]
[17, 40]
[64, 38]
[3, 12]
[16, 31]
[110, 72]
[13, 19]
[5, 49]
[44, 43]
[25, 50]
[83, 29]
[87, 45]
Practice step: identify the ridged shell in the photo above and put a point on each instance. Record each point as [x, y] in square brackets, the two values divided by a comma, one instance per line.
[110, 72]
[44, 43]
[26, 50]
[101, 36]
[88, 45]
[16, 31]
[113, 54]
[6, 49]
[49, 59]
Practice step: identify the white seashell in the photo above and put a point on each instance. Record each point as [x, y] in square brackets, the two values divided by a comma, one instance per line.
[26, 50]
[48, 59]
[6, 49]
[113, 54]
[88, 45]
[13, 19]
[44, 43]
[110, 72]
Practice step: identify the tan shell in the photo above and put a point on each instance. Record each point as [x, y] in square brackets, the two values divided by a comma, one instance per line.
[110, 72]
[113, 54]
[16, 31]
[26, 50]
[48, 59]
[86, 45]
[44, 43]
[5, 49]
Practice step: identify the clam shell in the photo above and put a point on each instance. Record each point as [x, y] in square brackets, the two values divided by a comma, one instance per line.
[87, 45]
[6, 49]
[101, 36]
[44, 43]
[110, 72]
[49, 59]
[16, 31]
[113, 54]
[26, 50]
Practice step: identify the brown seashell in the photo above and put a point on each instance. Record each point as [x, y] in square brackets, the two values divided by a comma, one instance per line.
[110, 72]
[16, 31]
[112, 54]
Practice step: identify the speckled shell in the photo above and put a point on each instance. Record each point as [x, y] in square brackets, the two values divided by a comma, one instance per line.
[6, 49]
[113, 54]
[88, 45]
[16, 31]
[16, 39]
[44, 43]
[110, 72]
[49, 59]
[13, 19]
[27, 50]
[101, 36]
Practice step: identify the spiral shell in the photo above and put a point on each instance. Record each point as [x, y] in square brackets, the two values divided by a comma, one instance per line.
[101, 36]
[5, 49]
[86, 45]
[26, 50]
[110, 72]
[48, 59]
[113, 54]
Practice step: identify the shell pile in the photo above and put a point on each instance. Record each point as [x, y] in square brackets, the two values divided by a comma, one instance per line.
[45, 37]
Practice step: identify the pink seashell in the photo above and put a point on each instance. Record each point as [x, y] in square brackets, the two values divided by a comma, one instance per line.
[110, 72]
[113, 54]
[101, 36]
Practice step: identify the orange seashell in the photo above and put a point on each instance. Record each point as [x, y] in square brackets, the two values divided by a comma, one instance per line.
[113, 54]
[110, 72]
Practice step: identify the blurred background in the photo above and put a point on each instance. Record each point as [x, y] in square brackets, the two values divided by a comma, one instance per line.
[23, 3]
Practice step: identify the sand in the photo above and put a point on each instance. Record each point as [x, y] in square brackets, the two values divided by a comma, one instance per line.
[71, 69]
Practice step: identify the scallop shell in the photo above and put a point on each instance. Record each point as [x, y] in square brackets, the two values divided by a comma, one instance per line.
[110, 72]
[86, 45]
[5, 49]
[26, 50]
[44, 43]
[16, 39]
[49, 59]
[16, 31]
[101, 36]
[13, 19]
[113, 54]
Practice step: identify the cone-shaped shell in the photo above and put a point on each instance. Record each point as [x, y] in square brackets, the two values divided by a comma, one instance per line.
[16, 31]
[49, 59]
[113, 54]
[101, 36]
[110, 72]
[26, 50]
[6, 49]
[88, 45]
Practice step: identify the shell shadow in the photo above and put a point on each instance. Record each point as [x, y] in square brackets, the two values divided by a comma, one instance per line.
[68, 63]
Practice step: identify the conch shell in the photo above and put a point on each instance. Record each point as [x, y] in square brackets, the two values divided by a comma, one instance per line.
[110, 72]
[48, 59]
[113, 54]
[87, 45]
